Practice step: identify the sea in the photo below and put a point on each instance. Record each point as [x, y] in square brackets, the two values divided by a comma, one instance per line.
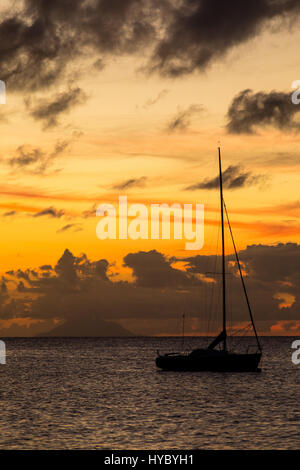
[106, 393]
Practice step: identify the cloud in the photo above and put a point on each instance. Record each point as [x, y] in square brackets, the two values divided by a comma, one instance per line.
[130, 183]
[30, 192]
[48, 111]
[286, 327]
[160, 291]
[65, 228]
[202, 31]
[9, 214]
[40, 43]
[249, 111]
[3, 287]
[51, 212]
[152, 269]
[99, 64]
[46, 267]
[23, 328]
[159, 97]
[233, 178]
[34, 159]
[26, 156]
[272, 273]
[183, 118]
[90, 212]
[260, 260]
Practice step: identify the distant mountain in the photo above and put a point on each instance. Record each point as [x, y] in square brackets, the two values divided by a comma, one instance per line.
[89, 325]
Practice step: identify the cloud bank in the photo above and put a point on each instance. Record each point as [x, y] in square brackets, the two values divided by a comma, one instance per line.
[77, 287]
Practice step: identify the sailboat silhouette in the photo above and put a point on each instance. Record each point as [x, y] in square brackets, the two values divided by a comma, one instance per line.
[211, 359]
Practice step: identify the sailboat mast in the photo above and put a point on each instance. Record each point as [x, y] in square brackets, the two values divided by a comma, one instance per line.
[182, 343]
[223, 251]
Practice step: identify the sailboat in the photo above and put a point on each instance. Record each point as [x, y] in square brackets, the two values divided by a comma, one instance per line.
[222, 359]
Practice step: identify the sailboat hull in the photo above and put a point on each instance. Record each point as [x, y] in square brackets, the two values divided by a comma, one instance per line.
[205, 360]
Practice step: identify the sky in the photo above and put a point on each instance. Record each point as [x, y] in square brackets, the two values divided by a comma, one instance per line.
[133, 97]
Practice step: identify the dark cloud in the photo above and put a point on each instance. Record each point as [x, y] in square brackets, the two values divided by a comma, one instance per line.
[99, 64]
[78, 285]
[277, 263]
[78, 288]
[33, 53]
[67, 227]
[3, 287]
[21, 287]
[101, 268]
[250, 110]
[152, 269]
[60, 146]
[35, 160]
[90, 212]
[130, 183]
[23, 274]
[26, 156]
[51, 212]
[183, 118]
[201, 31]
[48, 111]
[234, 177]
[66, 267]
[41, 41]
[272, 273]
[46, 267]
[153, 101]
[20, 274]
[9, 214]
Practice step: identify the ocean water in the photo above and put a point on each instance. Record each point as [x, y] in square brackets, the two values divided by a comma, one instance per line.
[106, 393]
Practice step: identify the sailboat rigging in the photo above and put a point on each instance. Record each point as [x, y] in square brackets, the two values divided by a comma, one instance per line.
[211, 359]
[182, 341]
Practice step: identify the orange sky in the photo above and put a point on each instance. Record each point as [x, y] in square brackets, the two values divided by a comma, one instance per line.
[120, 132]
